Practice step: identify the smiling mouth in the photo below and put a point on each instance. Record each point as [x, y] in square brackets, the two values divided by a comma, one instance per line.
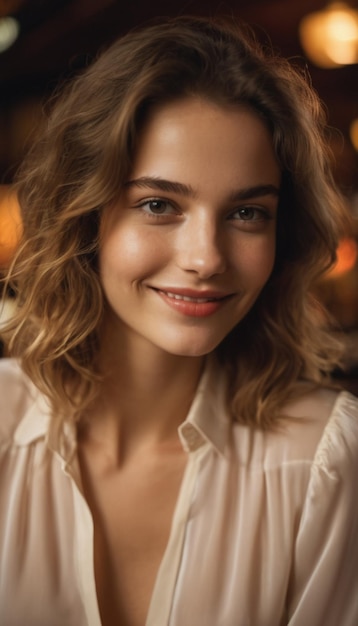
[193, 304]
[177, 296]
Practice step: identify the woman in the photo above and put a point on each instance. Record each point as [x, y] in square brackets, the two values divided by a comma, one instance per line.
[171, 450]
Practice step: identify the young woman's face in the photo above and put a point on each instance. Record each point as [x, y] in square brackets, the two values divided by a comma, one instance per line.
[191, 242]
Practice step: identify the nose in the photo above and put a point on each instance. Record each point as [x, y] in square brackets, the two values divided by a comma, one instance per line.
[201, 248]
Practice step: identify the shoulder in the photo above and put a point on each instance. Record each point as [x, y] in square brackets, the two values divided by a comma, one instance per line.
[17, 395]
[317, 427]
[324, 570]
[337, 451]
[323, 426]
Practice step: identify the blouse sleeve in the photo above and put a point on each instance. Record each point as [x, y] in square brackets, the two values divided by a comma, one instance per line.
[324, 584]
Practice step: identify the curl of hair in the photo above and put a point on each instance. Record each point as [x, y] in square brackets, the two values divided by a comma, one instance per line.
[77, 169]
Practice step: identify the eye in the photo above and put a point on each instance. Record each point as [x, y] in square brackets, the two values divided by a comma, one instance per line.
[156, 206]
[250, 214]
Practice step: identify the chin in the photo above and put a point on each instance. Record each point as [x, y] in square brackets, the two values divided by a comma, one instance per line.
[193, 349]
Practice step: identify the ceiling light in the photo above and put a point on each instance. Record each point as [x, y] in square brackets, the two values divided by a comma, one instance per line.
[9, 32]
[330, 37]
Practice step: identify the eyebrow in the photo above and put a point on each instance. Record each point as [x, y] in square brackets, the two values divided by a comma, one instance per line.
[168, 186]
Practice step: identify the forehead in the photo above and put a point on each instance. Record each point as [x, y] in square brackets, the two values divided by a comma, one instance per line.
[193, 140]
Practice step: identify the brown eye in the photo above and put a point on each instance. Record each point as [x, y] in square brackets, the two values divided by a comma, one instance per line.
[251, 217]
[247, 213]
[157, 206]
[250, 213]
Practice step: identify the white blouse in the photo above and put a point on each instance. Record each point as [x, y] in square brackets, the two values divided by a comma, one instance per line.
[265, 530]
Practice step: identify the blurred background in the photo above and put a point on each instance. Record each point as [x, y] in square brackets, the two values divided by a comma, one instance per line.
[45, 42]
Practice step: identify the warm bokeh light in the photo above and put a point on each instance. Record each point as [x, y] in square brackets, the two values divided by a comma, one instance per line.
[353, 131]
[347, 254]
[9, 32]
[10, 224]
[330, 37]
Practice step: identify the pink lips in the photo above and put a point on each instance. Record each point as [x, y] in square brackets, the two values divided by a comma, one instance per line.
[191, 302]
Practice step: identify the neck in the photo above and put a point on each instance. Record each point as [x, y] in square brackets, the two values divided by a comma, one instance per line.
[145, 396]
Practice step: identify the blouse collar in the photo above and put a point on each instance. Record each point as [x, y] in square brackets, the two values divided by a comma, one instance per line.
[207, 422]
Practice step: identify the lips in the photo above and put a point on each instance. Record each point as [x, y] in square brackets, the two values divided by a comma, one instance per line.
[199, 300]
[193, 303]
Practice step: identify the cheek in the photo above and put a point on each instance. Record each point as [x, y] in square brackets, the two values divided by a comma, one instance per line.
[256, 261]
[127, 253]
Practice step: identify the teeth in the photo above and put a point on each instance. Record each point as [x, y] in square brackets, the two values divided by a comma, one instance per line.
[176, 296]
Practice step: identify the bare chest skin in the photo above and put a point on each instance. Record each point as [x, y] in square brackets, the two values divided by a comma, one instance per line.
[132, 508]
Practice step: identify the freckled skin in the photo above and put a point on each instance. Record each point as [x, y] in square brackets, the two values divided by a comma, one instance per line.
[156, 239]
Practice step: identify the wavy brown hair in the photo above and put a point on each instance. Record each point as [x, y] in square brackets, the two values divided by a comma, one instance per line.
[79, 165]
